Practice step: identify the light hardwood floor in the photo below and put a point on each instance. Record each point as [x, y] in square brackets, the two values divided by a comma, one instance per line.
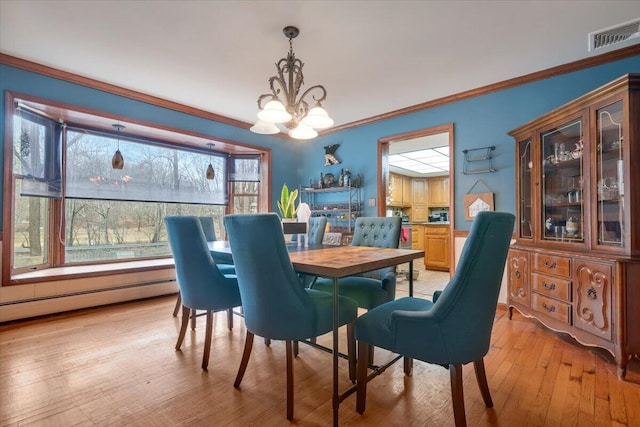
[117, 366]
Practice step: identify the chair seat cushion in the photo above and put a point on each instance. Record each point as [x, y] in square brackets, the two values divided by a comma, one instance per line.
[365, 291]
[226, 268]
[374, 327]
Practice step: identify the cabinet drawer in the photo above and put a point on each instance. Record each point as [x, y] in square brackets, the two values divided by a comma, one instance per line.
[551, 264]
[436, 229]
[552, 308]
[552, 287]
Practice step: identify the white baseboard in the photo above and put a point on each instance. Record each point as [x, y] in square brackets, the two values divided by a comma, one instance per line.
[59, 304]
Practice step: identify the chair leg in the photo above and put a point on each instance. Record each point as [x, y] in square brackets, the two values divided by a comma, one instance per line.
[481, 376]
[183, 326]
[207, 340]
[267, 342]
[408, 366]
[248, 344]
[361, 390]
[371, 355]
[296, 348]
[288, 349]
[351, 350]
[193, 319]
[230, 318]
[457, 395]
[176, 309]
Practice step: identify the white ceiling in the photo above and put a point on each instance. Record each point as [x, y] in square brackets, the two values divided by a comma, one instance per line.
[373, 57]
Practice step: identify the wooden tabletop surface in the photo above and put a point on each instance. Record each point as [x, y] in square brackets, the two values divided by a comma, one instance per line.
[337, 261]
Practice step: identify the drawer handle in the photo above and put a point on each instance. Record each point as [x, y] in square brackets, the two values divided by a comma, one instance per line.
[549, 264]
[549, 308]
[592, 293]
[548, 286]
[517, 274]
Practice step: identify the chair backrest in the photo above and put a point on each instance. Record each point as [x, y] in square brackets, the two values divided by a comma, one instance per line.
[198, 276]
[274, 304]
[466, 308]
[208, 228]
[380, 232]
[316, 228]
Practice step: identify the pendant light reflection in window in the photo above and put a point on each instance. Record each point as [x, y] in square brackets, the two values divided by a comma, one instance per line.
[210, 174]
[117, 161]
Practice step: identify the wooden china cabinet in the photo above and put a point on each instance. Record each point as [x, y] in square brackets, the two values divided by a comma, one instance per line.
[575, 265]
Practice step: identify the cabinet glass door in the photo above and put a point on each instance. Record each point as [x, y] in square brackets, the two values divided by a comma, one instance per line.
[562, 180]
[610, 175]
[524, 191]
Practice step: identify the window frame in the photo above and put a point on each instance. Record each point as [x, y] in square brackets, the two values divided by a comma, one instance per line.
[82, 117]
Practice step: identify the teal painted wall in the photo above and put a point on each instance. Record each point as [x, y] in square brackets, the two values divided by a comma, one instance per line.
[478, 122]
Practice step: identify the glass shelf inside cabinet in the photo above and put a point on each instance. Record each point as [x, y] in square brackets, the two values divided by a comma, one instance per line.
[562, 178]
[610, 175]
[525, 195]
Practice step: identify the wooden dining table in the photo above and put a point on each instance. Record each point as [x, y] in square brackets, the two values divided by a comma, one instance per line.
[336, 262]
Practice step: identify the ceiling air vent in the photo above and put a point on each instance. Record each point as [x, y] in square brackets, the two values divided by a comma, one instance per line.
[614, 35]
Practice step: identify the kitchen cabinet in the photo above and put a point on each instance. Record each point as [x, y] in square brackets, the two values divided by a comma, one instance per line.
[417, 237]
[397, 195]
[576, 259]
[407, 191]
[419, 205]
[439, 191]
[436, 247]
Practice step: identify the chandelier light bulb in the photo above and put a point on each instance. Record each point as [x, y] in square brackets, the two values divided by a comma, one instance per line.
[264, 128]
[274, 112]
[317, 118]
[302, 131]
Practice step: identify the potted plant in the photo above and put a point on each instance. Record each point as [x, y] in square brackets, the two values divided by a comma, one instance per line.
[287, 203]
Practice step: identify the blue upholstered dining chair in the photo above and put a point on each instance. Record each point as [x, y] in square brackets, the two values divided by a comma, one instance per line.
[275, 306]
[454, 328]
[210, 235]
[376, 287]
[202, 284]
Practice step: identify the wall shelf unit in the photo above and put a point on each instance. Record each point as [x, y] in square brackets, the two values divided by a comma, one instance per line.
[341, 205]
[475, 155]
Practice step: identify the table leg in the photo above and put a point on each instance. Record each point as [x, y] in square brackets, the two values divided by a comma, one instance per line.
[411, 278]
[336, 396]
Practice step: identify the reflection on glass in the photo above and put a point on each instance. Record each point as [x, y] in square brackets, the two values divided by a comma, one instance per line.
[562, 181]
[526, 165]
[610, 175]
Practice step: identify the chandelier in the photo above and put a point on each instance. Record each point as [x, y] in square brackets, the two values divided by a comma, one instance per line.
[281, 107]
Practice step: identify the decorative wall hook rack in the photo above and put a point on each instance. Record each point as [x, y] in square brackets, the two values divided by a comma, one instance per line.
[478, 155]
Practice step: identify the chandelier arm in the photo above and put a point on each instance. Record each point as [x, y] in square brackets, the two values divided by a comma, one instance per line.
[283, 87]
[318, 100]
[267, 96]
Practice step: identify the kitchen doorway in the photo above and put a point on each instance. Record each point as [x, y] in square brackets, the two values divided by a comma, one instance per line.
[424, 160]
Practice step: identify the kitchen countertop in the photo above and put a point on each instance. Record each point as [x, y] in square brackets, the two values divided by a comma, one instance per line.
[429, 223]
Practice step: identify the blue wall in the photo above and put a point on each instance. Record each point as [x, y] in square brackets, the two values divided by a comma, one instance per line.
[478, 122]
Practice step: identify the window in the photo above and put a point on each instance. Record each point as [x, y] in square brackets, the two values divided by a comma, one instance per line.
[101, 214]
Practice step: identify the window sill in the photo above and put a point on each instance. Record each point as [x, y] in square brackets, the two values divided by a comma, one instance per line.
[80, 271]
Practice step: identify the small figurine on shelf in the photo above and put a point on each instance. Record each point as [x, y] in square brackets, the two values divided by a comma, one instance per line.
[577, 152]
[573, 226]
[347, 178]
[341, 178]
[321, 182]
